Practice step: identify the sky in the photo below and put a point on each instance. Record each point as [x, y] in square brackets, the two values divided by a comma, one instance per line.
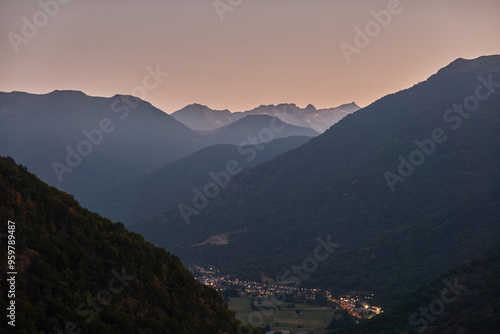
[239, 54]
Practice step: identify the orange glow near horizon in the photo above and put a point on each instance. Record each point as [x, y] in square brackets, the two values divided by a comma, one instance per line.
[263, 52]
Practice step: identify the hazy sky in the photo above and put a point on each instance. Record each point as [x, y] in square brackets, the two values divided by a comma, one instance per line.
[246, 54]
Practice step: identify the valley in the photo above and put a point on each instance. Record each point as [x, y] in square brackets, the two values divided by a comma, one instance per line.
[283, 305]
[382, 219]
[335, 184]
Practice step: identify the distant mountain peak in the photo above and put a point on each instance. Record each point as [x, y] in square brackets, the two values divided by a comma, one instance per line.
[352, 107]
[286, 105]
[68, 93]
[310, 107]
[280, 105]
[200, 107]
[352, 104]
[197, 105]
[339, 183]
[469, 65]
[202, 118]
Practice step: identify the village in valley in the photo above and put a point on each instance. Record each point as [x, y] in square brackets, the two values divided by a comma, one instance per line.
[263, 296]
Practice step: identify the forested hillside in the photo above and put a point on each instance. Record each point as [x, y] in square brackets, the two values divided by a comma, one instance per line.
[79, 271]
[465, 300]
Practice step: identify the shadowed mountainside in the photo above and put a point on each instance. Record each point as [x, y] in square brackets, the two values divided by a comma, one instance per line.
[464, 300]
[444, 208]
[81, 144]
[255, 129]
[77, 271]
[175, 182]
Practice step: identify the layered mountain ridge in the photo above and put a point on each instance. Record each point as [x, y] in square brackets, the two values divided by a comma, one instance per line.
[443, 211]
[80, 143]
[85, 145]
[201, 118]
[172, 184]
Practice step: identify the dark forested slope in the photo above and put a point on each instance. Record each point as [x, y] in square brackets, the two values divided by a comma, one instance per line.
[79, 271]
[465, 300]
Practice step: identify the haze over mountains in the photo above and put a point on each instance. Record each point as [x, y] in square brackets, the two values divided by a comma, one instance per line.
[396, 193]
[250, 167]
[175, 182]
[81, 144]
[255, 129]
[408, 185]
[202, 118]
[84, 144]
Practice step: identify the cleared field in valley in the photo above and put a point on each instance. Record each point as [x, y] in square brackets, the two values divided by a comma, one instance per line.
[310, 318]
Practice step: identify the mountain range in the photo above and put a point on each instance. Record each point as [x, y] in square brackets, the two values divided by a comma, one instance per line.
[177, 181]
[386, 200]
[81, 144]
[255, 129]
[201, 118]
[409, 186]
[85, 145]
